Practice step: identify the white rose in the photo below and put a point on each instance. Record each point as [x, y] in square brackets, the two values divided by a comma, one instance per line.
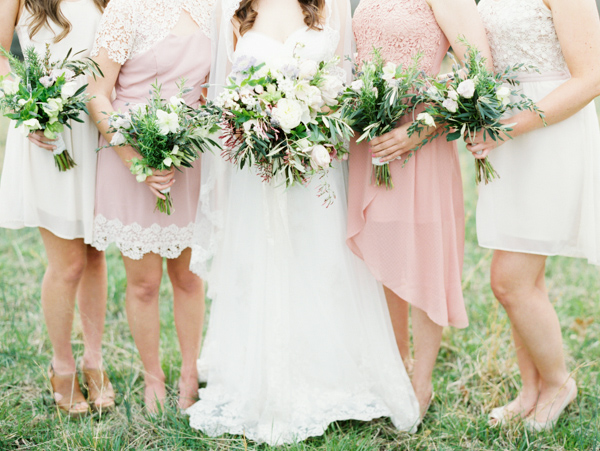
[167, 122]
[47, 81]
[433, 92]
[52, 108]
[427, 119]
[176, 101]
[389, 71]
[32, 125]
[308, 69]
[319, 157]
[503, 95]
[310, 95]
[331, 88]
[118, 139]
[259, 89]
[288, 114]
[10, 87]
[466, 89]
[450, 105]
[68, 90]
[122, 121]
[357, 85]
[168, 162]
[452, 94]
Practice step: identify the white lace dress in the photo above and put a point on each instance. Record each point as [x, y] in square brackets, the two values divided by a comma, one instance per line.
[299, 334]
[547, 200]
[33, 193]
[140, 35]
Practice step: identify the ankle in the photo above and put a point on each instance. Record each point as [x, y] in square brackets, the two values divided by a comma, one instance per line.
[154, 378]
[92, 360]
[63, 366]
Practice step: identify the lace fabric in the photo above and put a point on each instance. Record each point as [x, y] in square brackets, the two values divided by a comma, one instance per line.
[132, 27]
[400, 34]
[522, 31]
[134, 241]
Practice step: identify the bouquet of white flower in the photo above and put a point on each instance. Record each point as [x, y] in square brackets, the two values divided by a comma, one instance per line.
[379, 97]
[41, 94]
[278, 118]
[165, 134]
[471, 100]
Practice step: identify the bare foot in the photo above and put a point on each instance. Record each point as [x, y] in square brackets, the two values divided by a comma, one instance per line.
[155, 394]
[188, 391]
[520, 407]
[552, 402]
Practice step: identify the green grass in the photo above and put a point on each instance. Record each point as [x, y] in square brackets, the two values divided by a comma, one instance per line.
[476, 369]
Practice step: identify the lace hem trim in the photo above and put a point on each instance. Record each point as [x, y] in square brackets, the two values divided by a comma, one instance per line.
[135, 241]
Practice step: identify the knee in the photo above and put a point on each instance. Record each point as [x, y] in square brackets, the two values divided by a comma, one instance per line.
[144, 290]
[95, 258]
[186, 281]
[507, 292]
[71, 272]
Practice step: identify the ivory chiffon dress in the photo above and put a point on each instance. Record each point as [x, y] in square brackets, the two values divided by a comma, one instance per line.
[547, 200]
[33, 192]
[140, 35]
[410, 237]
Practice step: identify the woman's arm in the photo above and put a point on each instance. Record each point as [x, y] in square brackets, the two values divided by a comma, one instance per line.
[456, 18]
[578, 29]
[101, 89]
[8, 20]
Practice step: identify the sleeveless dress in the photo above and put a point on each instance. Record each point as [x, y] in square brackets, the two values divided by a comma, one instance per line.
[547, 200]
[299, 335]
[137, 34]
[410, 237]
[33, 192]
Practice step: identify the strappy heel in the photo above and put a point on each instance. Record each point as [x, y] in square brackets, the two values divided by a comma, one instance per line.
[67, 394]
[101, 394]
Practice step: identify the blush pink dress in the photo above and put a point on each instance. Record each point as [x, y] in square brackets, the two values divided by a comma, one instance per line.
[411, 237]
[140, 35]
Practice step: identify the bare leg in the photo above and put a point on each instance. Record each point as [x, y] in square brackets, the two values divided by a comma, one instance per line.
[517, 282]
[66, 263]
[91, 298]
[188, 296]
[399, 314]
[143, 284]
[427, 337]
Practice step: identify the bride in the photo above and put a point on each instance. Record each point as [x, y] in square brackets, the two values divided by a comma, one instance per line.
[299, 334]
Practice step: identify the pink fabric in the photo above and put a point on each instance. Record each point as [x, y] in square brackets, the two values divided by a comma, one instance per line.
[411, 237]
[118, 194]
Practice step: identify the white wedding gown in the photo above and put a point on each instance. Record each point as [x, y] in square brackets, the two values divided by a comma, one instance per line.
[299, 333]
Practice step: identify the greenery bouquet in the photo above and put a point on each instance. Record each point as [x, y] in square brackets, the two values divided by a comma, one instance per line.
[280, 119]
[41, 94]
[472, 99]
[377, 99]
[166, 134]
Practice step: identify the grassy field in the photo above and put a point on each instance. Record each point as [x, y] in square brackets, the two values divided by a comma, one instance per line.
[476, 369]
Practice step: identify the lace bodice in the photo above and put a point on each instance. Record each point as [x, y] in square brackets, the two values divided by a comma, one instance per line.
[401, 28]
[131, 27]
[522, 31]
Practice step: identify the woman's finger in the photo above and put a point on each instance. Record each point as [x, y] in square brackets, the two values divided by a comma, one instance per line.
[157, 193]
[160, 178]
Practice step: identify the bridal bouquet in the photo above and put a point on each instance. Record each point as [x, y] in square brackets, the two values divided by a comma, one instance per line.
[280, 119]
[377, 99]
[41, 94]
[473, 99]
[165, 134]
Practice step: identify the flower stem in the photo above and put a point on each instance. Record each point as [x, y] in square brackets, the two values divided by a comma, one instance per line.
[383, 176]
[485, 171]
[64, 162]
[165, 205]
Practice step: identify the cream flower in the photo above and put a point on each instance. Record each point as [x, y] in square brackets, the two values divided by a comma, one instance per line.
[168, 122]
[466, 89]
[427, 119]
[287, 114]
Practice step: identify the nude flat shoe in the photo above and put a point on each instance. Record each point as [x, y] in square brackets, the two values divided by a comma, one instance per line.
[67, 395]
[539, 426]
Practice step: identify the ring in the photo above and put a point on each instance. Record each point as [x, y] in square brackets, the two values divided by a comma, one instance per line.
[479, 152]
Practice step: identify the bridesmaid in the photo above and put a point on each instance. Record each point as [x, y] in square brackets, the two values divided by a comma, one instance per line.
[547, 201]
[33, 193]
[140, 42]
[412, 237]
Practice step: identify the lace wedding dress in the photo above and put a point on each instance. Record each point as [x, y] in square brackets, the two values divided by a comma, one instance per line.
[299, 333]
[547, 200]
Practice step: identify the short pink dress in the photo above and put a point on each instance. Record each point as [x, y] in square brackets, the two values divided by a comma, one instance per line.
[411, 237]
[138, 35]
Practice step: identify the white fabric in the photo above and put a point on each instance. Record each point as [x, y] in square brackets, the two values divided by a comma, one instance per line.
[522, 31]
[33, 192]
[152, 21]
[547, 200]
[299, 333]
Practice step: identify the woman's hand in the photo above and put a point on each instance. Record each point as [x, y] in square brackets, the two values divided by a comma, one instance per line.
[39, 139]
[395, 143]
[161, 180]
[480, 147]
